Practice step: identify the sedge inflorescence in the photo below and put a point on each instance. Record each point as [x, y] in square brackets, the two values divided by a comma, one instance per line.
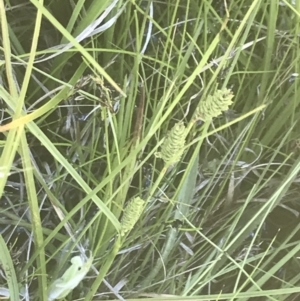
[214, 105]
[173, 145]
[131, 215]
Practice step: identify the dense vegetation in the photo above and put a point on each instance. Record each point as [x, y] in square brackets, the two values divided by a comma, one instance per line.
[154, 145]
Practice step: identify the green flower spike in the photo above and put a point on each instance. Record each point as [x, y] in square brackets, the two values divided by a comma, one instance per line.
[173, 145]
[214, 105]
[131, 215]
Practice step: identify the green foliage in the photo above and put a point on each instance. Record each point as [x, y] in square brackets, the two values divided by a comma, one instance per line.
[62, 286]
[92, 91]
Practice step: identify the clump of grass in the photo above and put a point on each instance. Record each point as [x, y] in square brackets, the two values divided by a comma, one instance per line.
[187, 243]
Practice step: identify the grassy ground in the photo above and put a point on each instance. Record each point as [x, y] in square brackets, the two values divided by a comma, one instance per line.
[123, 151]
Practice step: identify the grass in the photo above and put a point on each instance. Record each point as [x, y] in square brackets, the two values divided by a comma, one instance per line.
[90, 91]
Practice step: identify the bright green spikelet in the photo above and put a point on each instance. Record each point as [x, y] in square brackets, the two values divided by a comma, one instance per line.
[131, 215]
[173, 145]
[214, 105]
